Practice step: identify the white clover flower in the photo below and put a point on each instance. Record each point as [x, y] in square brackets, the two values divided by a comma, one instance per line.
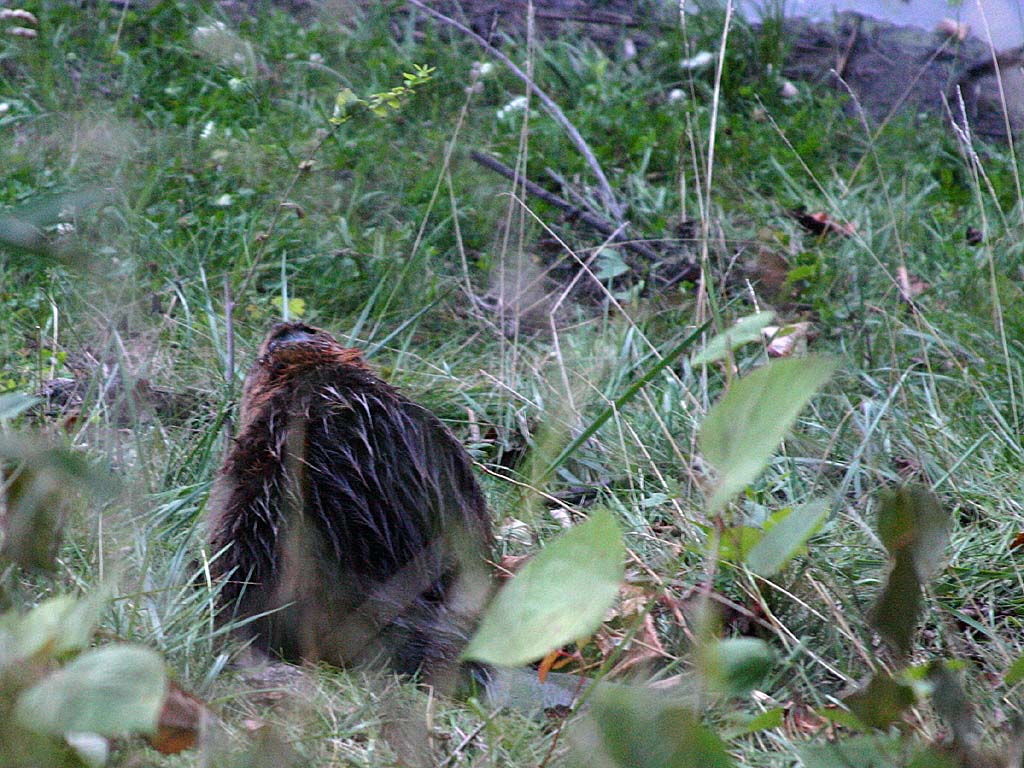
[518, 104]
[236, 84]
[316, 58]
[4, 108]
[676, 95]
[698, 61]
[223, 201]
[208, 130]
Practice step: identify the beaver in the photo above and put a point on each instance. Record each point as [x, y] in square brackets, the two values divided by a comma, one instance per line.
[346, 523]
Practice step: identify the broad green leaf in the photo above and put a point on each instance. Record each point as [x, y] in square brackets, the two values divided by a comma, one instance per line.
[951, 703]
[786, 538]
[744, 331]
[561, 595]
[22, 230]
[111, 691]
[735, 542]
[1016, 672]
[735, 666]
[868, 751]
[895, 614]
[13, 404]
[882, 702]
[745, 427]
[91, 748]
[56, 626]
[914, 528]
[912, 519]
[630, 727]
[37, 496]
[766, 721]
[610, 265]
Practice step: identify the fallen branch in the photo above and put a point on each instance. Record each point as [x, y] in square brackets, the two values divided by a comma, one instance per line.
[573, 212]
[552, 108]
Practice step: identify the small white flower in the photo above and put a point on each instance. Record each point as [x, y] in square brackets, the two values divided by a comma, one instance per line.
[316, 58]
[481, 68]
[699, 61]
[789, 91]
[213, 29]
[18, 14]
[65, 228]
[4, 108]
[236, 84]
[208, 130]
[223, 201]
[676, 95]
[518, 104]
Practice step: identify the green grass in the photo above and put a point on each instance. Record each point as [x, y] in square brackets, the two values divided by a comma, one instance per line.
[191, 155]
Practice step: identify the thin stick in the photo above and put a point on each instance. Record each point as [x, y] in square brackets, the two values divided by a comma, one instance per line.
[592, 220]
[552, 108]
[229, 362]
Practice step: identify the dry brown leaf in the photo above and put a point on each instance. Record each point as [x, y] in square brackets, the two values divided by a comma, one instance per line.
[1018, 541]
[911, 286]
[771, 269]
[644, 649]
[509, 566]
[179, 724]
[786, 340]
[820, 223]
[802, 721]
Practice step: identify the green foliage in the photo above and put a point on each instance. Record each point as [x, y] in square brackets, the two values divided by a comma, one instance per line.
[882, 702]
[735, 666]
[380, 104]
[196, 139]
[913, 526]
[743, 430]
[786, 538]
[110, 691]
[744, 331]
[634, 726]
[59, 702]
[558, 597]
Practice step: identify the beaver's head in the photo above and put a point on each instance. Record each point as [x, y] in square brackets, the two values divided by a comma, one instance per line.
[290, 352]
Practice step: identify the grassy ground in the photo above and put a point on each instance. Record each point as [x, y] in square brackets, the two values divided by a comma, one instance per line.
[187, 137]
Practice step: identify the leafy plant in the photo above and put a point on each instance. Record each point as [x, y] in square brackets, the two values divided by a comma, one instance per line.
[379, 104]
[60, 701]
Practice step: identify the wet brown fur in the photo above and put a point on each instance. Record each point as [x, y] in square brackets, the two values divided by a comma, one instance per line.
[349, 513]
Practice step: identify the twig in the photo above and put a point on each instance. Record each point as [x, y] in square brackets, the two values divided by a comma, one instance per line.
[264, 237]
[592, 220]
[561, 725]
[229, 362]
[559, 179]
[844, 59]
[552, 108]
[593, 17]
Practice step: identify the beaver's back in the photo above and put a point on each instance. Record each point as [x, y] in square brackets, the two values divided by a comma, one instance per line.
[350, 512]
